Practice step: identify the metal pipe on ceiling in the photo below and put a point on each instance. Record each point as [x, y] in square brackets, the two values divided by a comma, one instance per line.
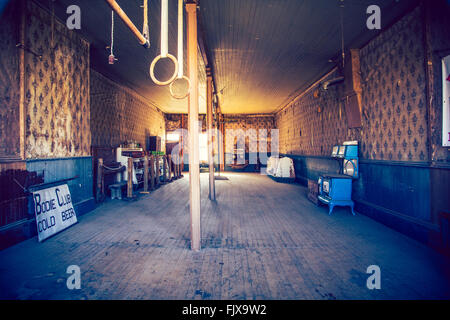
[117, 9]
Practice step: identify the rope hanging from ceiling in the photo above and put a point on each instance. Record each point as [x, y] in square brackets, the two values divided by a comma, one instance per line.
[52, 40]
[342, 33]
[180, 56]
[164, 46]
[111, 57]
[145, 28]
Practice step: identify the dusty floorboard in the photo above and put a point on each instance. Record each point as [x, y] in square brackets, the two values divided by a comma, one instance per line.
[260, 240]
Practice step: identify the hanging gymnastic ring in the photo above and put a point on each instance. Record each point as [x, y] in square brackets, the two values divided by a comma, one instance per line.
[188, 91]
[152, 70]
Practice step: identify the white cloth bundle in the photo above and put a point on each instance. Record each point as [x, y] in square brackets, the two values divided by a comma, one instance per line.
[281, 167]
[285, 168]
[272, 165]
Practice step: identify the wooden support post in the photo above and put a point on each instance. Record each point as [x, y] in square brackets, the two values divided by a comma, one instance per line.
[22, 107]
[178, 165]
[100, 190]
[181, 153]
[169, 166]
[209, 115]
[145, 174]
[217, 137]
[194, 163]
[152, 172]
[157, 171]
[222, 143]
[429, 75]
[175, 166]
[130, 178]
[164, 168]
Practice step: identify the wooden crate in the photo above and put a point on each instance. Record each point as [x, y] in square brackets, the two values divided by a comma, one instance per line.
[313, 191]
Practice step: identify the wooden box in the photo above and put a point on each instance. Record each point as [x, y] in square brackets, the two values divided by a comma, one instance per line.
[313, 191]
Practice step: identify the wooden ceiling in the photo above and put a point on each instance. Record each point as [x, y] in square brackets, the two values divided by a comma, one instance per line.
[263, 52]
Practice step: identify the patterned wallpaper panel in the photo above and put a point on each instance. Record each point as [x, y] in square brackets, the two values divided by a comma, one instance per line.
[232, 121]
[394, 124]
[119, 114]
[9, 82]
[56, 88]
[312, 125]
[251, 126]
[173, 122]
[394, 93]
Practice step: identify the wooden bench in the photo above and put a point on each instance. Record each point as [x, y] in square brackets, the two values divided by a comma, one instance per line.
[116, 189]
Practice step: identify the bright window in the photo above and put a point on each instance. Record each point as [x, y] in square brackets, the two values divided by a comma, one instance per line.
[173, 137]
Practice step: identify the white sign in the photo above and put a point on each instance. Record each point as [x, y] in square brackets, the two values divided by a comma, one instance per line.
[54, 211]
[446, 101]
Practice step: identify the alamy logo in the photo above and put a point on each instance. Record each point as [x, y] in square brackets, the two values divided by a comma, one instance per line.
[74, 280]
[74, 20]
[374, 281]
[374, 20]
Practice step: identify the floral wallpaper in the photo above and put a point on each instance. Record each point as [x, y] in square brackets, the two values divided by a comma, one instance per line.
[56, 88]
[315, 123]
[251, 124]
[392, 69]
[119, 114]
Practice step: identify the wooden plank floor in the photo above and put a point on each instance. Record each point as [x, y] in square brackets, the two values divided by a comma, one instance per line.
[260, 240]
